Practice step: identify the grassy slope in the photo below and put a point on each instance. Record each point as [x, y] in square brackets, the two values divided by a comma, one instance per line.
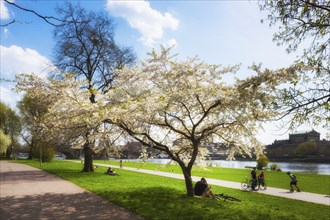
[307, 182]
[156, 197]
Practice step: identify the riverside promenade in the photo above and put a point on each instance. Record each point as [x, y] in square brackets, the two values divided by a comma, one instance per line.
[285, 193]
[27, 193]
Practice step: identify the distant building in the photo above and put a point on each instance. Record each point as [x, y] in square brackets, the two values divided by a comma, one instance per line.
[297, 138]
[293, 146]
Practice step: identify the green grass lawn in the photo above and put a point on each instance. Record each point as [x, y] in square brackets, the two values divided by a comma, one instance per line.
[156, 197]
[307, 182]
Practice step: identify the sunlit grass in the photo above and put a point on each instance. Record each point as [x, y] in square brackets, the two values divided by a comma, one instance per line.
[156, 197]
[313, 183]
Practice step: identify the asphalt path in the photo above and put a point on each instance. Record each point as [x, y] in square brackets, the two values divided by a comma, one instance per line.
[285, 193]
[27, 193]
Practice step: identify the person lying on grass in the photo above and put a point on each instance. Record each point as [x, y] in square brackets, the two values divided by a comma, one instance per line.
[203, 189]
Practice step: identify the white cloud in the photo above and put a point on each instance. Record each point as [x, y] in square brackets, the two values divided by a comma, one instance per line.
[16, 60]
[9, 97]
[4, 13]
[141, 16]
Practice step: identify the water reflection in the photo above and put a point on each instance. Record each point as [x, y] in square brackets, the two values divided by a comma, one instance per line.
[305, 167]
[292, 167]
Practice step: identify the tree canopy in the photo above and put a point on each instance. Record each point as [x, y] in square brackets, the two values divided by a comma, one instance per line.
[10, 127]
[302, 20]
[5, 141]
[306, 24]
[173, 106]
[85, 46]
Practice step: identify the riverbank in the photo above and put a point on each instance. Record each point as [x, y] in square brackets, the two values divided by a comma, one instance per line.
[282, 158]
[303, 159]
[295, 167]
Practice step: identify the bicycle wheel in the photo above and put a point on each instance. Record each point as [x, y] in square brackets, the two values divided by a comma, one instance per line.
[263, 186]
[245, 185]
[256, 186]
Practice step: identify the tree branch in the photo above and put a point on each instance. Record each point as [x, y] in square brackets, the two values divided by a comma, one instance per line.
[9, 23]
[47, 19]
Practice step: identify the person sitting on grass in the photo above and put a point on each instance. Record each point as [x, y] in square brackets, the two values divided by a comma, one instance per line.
[203, 189]
[293, 182]
[111, 172]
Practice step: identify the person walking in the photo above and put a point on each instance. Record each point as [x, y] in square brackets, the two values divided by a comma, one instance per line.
[121, 163]
[293, 182]
[254, 178]
[261, 179]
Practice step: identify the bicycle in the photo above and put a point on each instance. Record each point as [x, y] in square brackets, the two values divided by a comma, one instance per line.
[262, 184]
[247, 184]
[226, 197]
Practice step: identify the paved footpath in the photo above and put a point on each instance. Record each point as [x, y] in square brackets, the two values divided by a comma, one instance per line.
[304, 196]
[27, 193]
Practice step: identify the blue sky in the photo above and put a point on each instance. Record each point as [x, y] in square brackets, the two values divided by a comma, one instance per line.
[218, 32]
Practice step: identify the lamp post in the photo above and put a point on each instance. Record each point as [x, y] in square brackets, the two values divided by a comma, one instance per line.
[40, 155]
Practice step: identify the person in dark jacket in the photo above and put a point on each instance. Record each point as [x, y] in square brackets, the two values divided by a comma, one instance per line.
[293, 182]
[203, 189]
[111, 172]
[254, 178]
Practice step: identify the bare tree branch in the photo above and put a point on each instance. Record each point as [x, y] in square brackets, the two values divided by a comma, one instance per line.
[7, 24]
[48, 19]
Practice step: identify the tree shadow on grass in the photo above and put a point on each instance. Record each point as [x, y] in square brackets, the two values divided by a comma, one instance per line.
[168, 203]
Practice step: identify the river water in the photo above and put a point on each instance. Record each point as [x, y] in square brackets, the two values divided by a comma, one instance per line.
[315, 168]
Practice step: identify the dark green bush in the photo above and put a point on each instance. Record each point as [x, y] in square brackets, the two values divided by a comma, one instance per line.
[273, 166]
[262, 162]
[46, 152]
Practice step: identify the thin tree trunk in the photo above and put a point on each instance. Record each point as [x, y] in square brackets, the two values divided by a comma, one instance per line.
[31, 148]
[188, 181]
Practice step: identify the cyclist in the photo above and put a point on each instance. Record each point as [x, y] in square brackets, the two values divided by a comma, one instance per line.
[254, 178]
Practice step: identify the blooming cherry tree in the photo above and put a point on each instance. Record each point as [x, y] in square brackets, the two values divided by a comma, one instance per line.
[178, 106]
[71, 118]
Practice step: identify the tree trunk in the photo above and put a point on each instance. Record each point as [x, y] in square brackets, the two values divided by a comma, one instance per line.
[9, 151]
[88, 163]
[31, 148]
[188, 181]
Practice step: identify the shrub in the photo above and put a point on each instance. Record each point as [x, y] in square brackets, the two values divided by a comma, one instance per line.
[273, 166]
[262, 162]
[47, 153]
[5, 141]
[307, 148]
